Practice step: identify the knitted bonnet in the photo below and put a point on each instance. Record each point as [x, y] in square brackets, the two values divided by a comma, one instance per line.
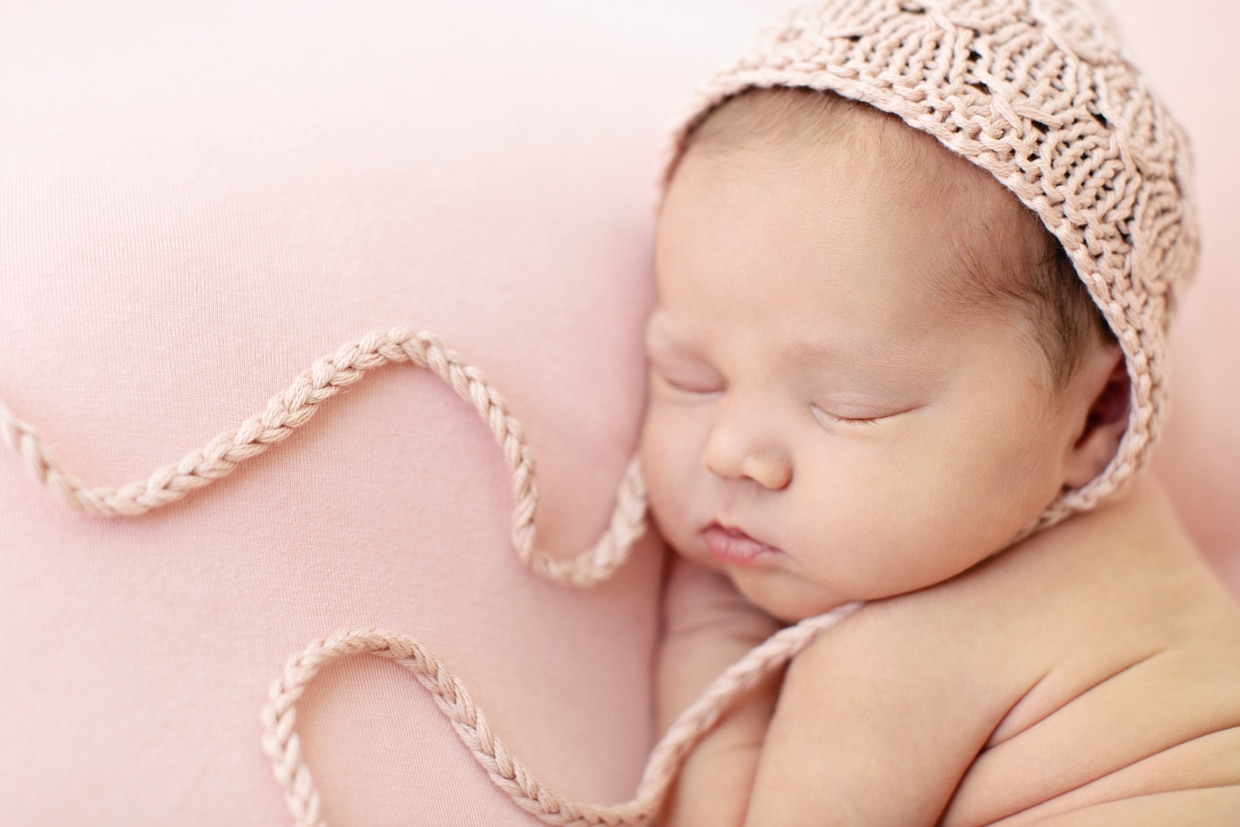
[1038, 93]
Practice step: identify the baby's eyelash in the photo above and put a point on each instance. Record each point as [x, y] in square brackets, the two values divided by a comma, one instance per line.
[827, 418]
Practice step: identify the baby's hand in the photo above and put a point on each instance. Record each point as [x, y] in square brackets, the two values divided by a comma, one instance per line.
[707, 627]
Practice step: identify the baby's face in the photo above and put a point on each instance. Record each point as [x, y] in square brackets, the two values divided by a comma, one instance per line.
[823, 426]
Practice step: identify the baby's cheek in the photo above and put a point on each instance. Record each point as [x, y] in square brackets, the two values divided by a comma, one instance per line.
[658, 465]
[665, 460]
[647, 447]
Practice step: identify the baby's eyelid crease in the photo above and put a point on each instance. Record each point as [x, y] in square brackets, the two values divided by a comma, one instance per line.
[821, 413]
[699, 389]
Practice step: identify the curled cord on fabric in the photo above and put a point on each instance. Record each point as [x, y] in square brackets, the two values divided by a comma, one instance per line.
[295, 407]
[505, 770]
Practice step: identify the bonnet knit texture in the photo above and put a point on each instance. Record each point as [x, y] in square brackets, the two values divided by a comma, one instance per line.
[1038, 93]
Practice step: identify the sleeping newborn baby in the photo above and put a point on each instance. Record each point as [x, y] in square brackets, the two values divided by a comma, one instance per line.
[915, 263]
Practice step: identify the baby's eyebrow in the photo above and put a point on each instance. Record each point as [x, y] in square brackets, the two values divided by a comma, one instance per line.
[834, 350]
[877, 351]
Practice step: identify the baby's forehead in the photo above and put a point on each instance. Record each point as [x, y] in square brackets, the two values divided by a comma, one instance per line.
[874, 145]
[962, 238]
[924, 179]
[799, 119]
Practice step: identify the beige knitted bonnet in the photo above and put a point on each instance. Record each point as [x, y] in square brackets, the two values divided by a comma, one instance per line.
[1038, 93]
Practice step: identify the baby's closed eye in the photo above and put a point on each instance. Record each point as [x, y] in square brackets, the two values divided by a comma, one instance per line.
[854, 415]
[685, 376]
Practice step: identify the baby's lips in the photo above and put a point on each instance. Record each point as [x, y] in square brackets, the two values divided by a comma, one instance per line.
[733, 547]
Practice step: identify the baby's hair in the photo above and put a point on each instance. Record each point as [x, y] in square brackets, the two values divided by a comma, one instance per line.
[1021, 266]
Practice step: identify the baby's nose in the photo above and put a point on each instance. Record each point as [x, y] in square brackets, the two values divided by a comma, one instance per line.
[737, 453]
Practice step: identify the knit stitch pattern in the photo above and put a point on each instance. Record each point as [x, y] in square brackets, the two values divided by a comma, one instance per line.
[1039, 94]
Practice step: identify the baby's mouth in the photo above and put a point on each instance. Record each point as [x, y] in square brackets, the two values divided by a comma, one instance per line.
[733, 547]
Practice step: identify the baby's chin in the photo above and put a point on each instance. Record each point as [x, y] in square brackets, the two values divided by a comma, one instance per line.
[785, 597]
[782, 595]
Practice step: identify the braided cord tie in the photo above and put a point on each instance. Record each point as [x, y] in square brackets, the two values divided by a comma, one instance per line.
[293, 408]
[505, 770]
[297, 405]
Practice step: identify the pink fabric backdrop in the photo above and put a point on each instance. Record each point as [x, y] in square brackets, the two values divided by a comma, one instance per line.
[198, 199]
[1189, 50]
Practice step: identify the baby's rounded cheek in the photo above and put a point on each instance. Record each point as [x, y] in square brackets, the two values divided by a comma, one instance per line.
[663, 457]
[645, 446]
[653, 458]
[658, 461]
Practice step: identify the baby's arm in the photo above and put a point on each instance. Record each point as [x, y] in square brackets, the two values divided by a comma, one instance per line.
[874, 724]
[877, 721]
[709, 626]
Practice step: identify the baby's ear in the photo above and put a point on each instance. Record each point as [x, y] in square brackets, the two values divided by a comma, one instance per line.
[1106, 391]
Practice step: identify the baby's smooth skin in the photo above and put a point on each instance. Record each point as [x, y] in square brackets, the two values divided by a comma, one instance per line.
[828, 424]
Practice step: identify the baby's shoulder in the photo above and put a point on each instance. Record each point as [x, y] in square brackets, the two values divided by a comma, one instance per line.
[1127, 565]
[1096, 662]
[1130, 664]
[1069, 607]
[1121, 576]
[1099, 661]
